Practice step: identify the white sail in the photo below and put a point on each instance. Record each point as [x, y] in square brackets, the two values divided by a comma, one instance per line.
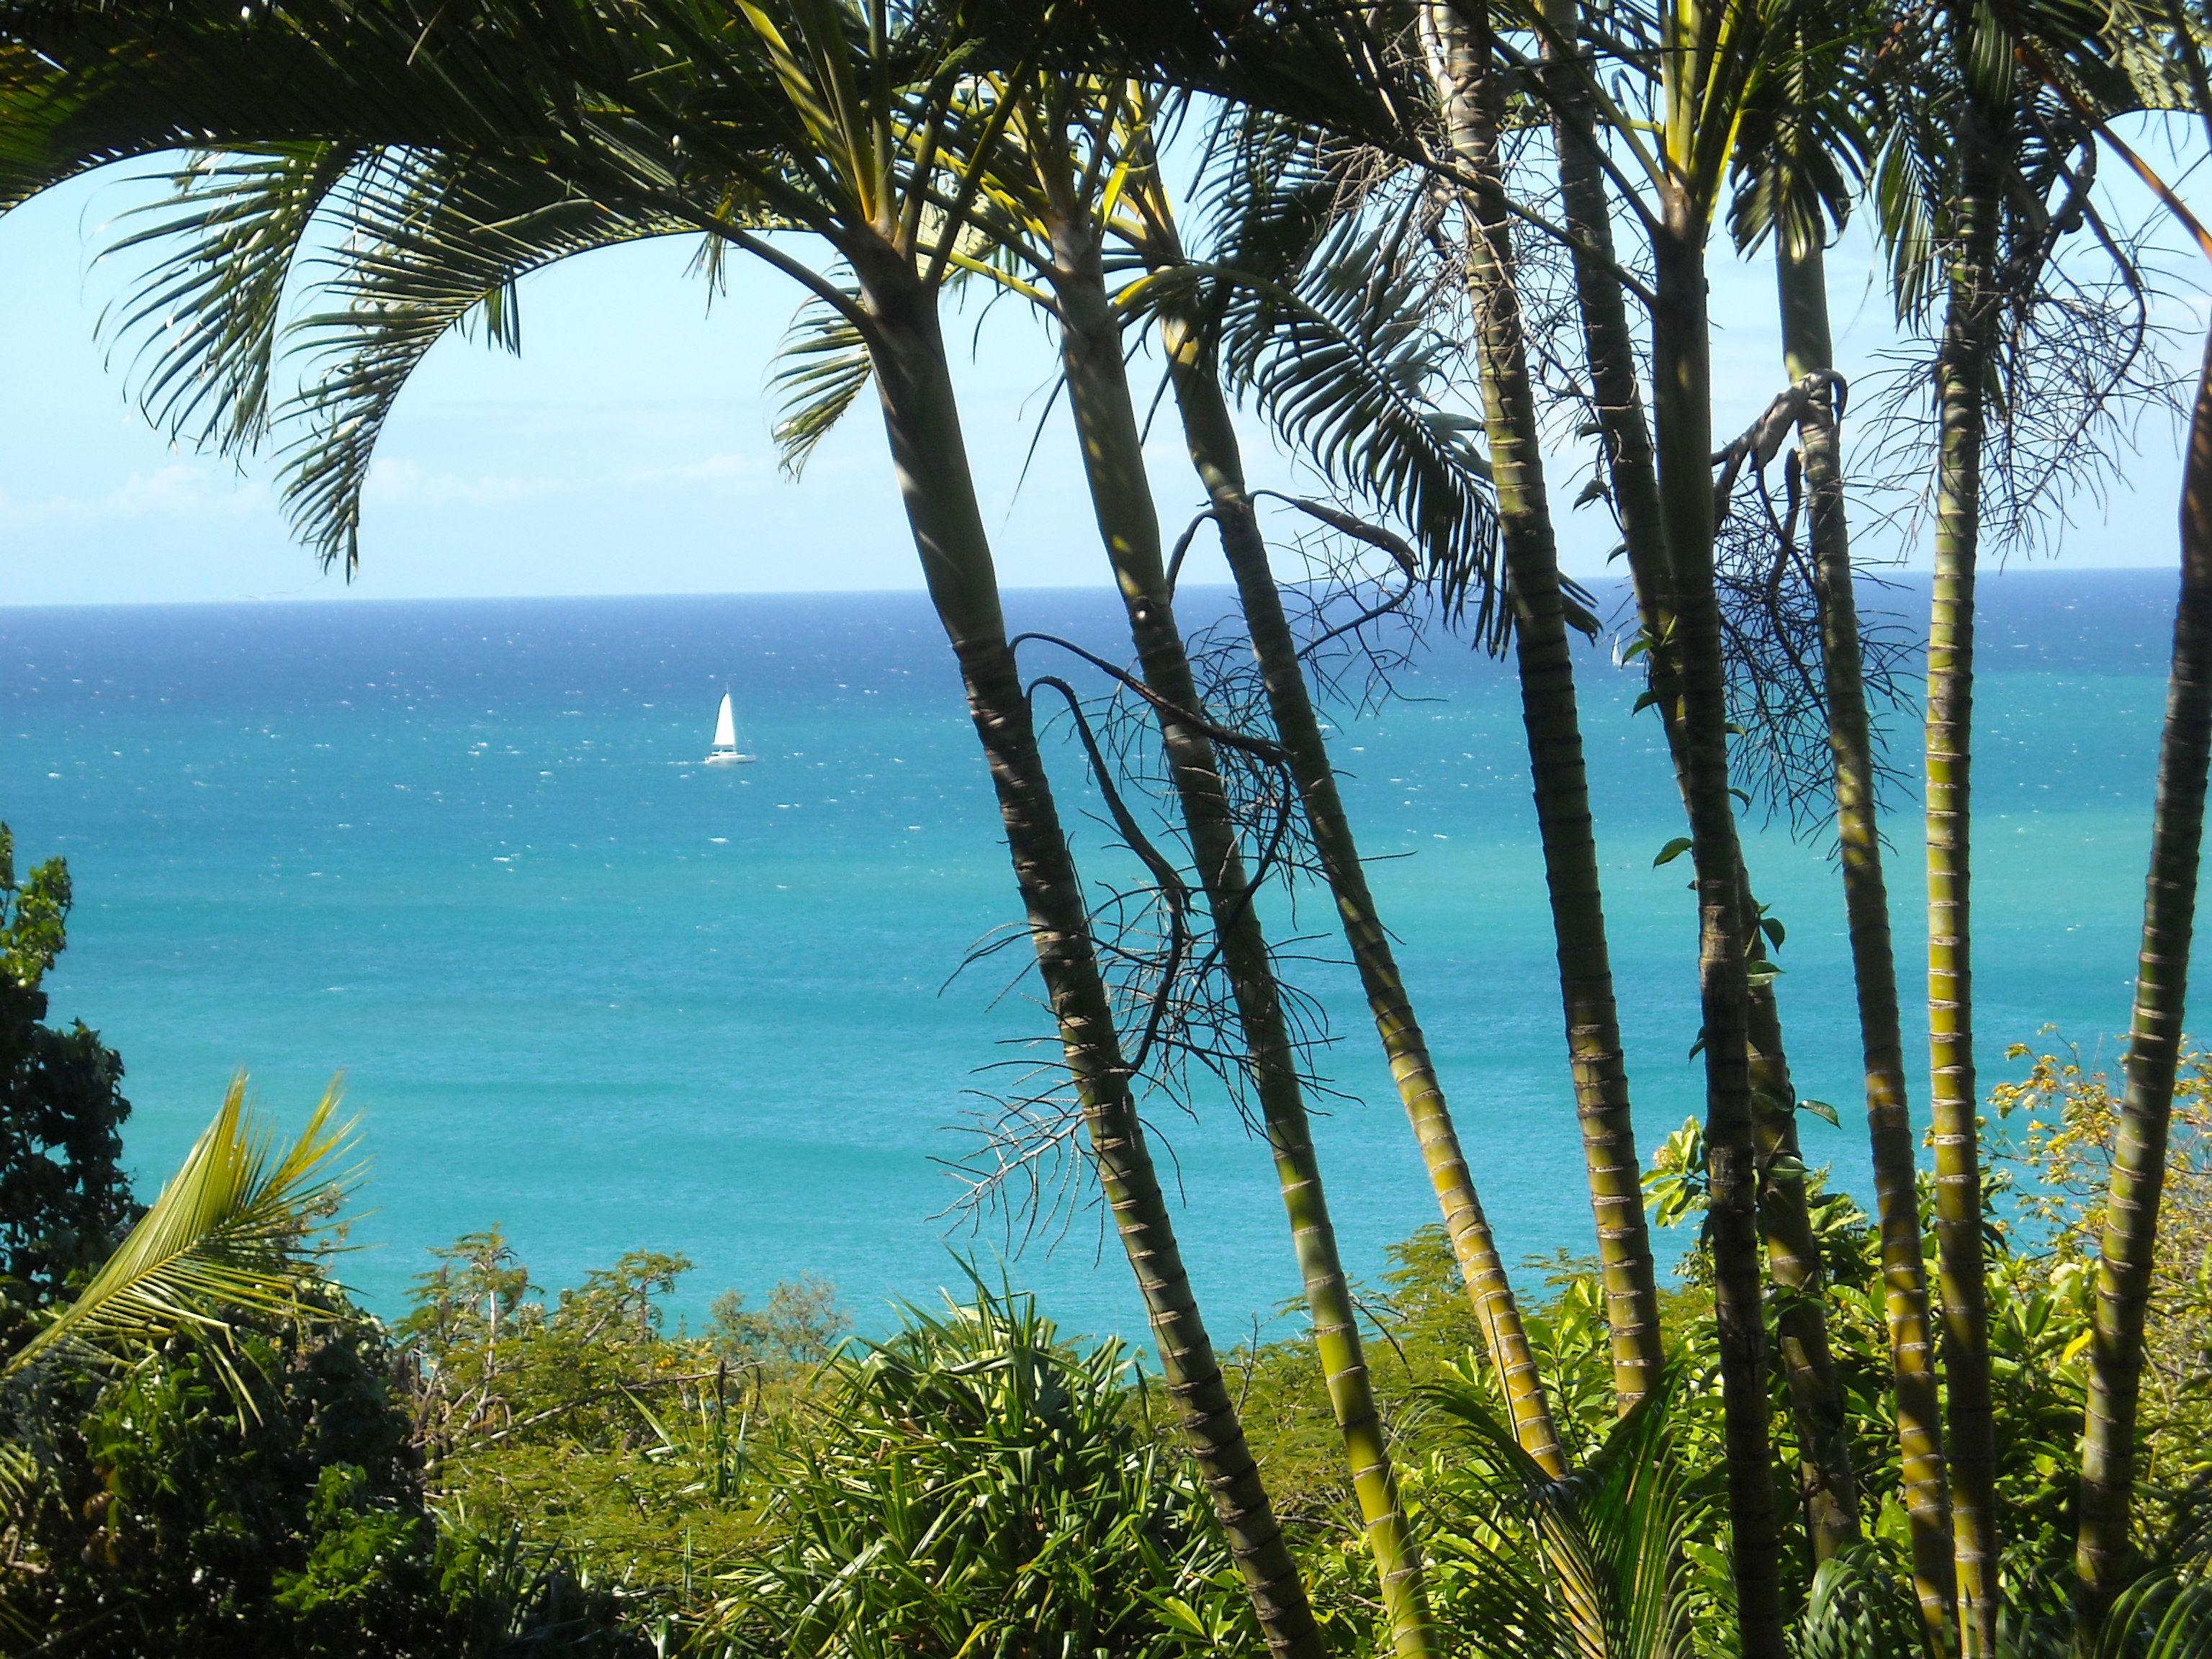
[726, 726]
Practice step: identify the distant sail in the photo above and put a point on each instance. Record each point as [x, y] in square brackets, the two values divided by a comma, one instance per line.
[724, 752]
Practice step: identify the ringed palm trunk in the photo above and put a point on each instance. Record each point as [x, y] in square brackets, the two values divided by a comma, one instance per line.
[1807, 347]
[1681, 408]
[1210, 438]
[1113, 452]
[1829, 1491]
[1554, 728]
[1961, 368]
[2104, 1556]
[1783, 1222]
[926, 446]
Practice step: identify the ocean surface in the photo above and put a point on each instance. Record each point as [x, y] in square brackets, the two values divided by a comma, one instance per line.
[587, 989]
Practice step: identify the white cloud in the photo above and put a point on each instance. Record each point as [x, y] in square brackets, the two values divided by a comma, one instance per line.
[398, 482]
[179, 491]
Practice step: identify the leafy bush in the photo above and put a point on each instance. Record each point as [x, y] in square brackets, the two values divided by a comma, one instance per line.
[974, 1486]
[251, 1494]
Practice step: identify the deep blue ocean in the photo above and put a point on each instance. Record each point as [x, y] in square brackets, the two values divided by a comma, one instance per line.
[583, 988]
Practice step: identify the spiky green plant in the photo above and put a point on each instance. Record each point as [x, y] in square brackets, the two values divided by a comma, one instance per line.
[227, 1237]
[977, 1484]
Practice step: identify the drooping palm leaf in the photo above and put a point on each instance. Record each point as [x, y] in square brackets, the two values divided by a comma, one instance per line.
[1806, 138]
[1610, 1534]
[429, 249]
[209, 316]
[824, 367]
[84, 85]
[1857, 1610]
[1342, 362]
[2160, 1616]
[225, 1237]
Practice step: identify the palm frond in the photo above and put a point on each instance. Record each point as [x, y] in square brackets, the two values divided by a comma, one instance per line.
[2160, 1616]
[225, 1237]
[429, 251]
[1273, 190]
[208, 314]
[1341, 363]
[824, 366]
[1857, 1610]
[1806, 139]
[1611, 1535]
[85, 86]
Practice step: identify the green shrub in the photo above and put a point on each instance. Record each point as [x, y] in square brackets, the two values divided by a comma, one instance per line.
[248, 1495]
[974, 1486]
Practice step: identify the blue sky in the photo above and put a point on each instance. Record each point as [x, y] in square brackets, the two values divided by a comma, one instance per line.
[627, 450]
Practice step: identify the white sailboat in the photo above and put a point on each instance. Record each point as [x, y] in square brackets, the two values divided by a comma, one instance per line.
[726, 752]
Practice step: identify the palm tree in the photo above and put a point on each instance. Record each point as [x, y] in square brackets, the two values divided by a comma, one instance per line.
[1964, 165]
[1807, 353]
[2105, 1557]
[1055, 170]
[1463, 63]
[1632, 485]
[801, 103]
[1210, 436]
[1712, 58]
[2104, 1553]
[1712, 61]
[1800, 155]
[1980, 46]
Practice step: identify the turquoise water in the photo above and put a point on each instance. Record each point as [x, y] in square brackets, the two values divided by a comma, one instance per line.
[584, 988]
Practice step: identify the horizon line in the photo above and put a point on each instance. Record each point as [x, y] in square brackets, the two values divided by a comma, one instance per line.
[349, 596]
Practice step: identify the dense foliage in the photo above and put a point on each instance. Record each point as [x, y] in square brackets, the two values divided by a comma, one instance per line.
[504, 1471]
[257, 1495]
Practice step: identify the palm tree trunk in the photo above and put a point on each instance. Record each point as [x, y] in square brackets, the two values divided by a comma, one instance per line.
[928, 452]
[1113, 451]
[1786, 1224]
[1828, 1488]
[1961, 368]
[1664, 499]
[2103, 1555]
[1553, 724]
[1805, 348]
[1210, 438]
[1682, 417]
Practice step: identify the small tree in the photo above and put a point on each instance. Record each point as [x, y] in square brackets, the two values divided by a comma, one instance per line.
[800, 1324]
[64, 1199]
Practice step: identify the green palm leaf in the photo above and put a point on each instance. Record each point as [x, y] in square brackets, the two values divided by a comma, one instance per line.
[210, 312]
[430, 249]
[1326, 326]
[224, 1236]
[1610, 1534]
[1340, 362]
[823, 368]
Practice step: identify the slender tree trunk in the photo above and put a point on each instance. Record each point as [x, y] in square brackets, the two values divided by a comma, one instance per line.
[1961, 373]
[927, 447]
[1828, 1490]
[2104, 1552]
[1211, 437]
[1549, 712]
[1633, 474]
[1807, 349]
[1113, 451]
[1682, 412]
